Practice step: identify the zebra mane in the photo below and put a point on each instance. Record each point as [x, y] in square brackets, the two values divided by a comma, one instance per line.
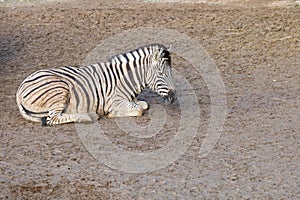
[156, 46]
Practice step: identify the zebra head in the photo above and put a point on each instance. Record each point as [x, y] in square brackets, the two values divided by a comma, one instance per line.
[159, 77]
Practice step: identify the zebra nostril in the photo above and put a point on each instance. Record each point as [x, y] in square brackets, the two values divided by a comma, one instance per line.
[171, 97]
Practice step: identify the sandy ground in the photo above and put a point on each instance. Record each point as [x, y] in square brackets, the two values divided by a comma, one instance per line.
[257, 49]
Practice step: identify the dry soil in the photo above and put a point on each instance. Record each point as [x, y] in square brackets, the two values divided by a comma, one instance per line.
[256, 46]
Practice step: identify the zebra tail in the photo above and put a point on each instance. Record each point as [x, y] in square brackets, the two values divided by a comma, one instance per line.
[26, 114]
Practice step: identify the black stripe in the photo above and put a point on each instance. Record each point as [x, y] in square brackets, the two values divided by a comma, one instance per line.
[47, 92]
[127, 62]
[120, 68]
[90, 73]
[77, 99]
[89, 86]
[29, 81]
[111, 72]
[143, 64]
[135, 83]
[36, 88]
[105, 78]
[31, 112]
[115, 67]
[64, 74]
[59, 93]
[100, 86]
[125, 93]
[71, 68]
[139, 68]
[131, 90]
[96, 88]
[136, 67]
[112, 77]
[38, 77]
[55, 103]
[76, 79]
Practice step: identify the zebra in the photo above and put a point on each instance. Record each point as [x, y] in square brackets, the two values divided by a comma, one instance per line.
[84, 94]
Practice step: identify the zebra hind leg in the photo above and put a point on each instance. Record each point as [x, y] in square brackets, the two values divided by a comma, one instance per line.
[63, 118]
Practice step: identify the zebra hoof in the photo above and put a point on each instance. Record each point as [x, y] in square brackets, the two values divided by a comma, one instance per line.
[84, 118]
[94, 116]
[111, 114]
[44, 121]
[143, 104]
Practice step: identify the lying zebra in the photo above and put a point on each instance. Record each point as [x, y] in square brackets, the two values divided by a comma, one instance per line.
[83, 94]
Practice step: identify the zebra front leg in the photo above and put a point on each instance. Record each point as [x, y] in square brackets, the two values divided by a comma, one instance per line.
[143, 104]
[128, 109]
[94, 116]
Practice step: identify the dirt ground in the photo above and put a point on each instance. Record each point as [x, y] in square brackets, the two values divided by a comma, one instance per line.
[256, 46]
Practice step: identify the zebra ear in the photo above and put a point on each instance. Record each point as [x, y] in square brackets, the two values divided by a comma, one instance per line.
[169, 48]
[157, 55]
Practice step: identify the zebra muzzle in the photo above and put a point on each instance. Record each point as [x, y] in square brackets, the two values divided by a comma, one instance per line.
[171, 97]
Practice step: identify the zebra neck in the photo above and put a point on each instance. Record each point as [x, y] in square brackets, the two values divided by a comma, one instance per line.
[131, 79]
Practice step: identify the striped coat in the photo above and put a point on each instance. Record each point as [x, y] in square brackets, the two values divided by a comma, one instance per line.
[83, 94]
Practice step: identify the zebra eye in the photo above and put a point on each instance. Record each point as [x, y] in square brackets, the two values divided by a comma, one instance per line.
[160, 73]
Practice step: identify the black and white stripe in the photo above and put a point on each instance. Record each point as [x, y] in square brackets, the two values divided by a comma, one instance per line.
[71, 94]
